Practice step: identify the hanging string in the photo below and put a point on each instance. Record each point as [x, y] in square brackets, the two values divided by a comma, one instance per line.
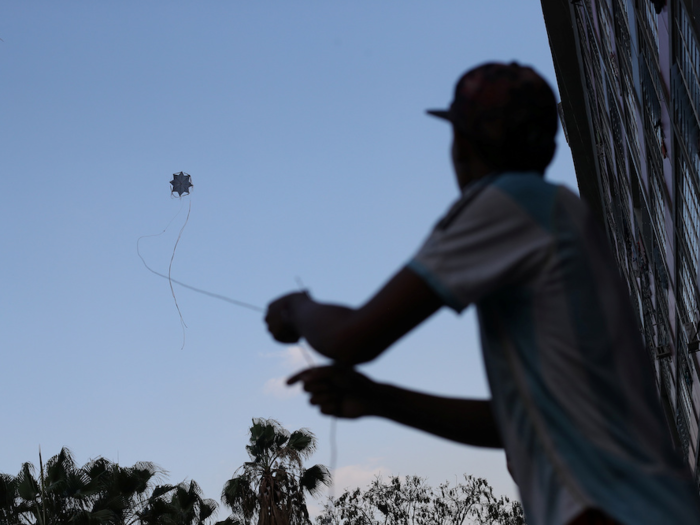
[306, 352]
[334, 455]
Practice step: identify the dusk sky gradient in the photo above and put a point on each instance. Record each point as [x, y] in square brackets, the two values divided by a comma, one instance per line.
[303, 126]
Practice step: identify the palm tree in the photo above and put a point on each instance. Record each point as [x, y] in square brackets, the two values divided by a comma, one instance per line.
[100, 492]
[118, 493]
[177, 505]
[272, 487]
[10, 503]
[55, 496]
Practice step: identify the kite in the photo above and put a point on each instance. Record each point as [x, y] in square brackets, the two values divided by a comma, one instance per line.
[181, 183]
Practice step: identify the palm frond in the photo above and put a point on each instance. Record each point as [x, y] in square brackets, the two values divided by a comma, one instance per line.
[160, 490]
[314, 478]
[207, 508]
[303, 441]
[240, 496]
[27, 487]
[8, 490]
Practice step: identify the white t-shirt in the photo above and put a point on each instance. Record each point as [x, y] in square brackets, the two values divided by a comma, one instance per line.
[572, 388]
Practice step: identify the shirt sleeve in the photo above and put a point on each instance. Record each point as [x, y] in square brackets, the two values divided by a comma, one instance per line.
[491, 243]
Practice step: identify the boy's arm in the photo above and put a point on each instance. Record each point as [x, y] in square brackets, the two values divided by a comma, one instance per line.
[345, 393]
[350, 335]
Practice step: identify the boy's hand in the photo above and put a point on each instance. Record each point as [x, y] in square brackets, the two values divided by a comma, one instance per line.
[279, 317]
[338, 391]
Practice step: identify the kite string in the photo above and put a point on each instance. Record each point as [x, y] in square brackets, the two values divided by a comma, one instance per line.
[184, 285]
[306, 353]
[182, 204]
[170, 270]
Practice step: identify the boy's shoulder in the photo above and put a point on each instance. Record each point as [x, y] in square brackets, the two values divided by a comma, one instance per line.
[528, 185]
[524, 186]
[530, 192]
[509, 196]
[540, 199]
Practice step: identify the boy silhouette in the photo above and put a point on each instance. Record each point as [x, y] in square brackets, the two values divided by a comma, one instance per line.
[574, 402]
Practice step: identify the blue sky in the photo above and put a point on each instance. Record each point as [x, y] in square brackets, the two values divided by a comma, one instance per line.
[303, 126]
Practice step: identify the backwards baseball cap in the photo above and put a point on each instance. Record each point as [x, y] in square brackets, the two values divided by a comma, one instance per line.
[508, 112]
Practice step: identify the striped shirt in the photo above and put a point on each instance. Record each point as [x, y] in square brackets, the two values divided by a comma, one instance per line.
[572, 389]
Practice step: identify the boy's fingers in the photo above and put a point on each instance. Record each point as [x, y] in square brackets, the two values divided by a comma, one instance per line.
[318, 373]
[299, 376]
[316, 387]
[335, 390]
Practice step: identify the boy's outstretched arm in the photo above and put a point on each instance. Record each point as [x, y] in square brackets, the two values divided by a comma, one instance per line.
[342, 392]
[354, 335]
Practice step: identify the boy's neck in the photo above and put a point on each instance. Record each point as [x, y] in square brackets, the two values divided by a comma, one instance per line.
[468, 174]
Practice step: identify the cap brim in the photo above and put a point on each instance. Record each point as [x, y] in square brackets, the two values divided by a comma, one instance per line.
[440, 113]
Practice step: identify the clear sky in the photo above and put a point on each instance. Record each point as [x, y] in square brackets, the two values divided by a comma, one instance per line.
[303, 126]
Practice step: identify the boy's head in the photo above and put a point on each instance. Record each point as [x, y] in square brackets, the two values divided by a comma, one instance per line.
[508, 113]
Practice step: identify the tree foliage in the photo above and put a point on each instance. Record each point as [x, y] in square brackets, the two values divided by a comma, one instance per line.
[271, 488]
[181, 504]
[411, 501]
[100, 492]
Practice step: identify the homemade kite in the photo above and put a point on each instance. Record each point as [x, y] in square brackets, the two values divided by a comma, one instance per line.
[181, 183]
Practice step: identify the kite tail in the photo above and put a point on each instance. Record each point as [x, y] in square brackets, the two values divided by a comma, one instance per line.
[170, 280]
[185, 285]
